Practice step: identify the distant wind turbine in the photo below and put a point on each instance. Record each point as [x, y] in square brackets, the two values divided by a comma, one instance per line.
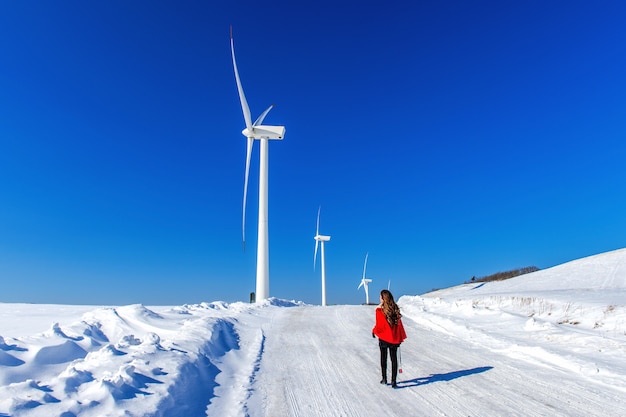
[262, 133]
[365, 281]
[320, 238]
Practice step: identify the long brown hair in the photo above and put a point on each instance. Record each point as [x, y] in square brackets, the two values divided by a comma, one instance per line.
[390, 308]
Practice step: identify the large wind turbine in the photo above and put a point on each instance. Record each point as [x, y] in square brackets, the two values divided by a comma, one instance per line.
[262, 133]
[365, 281]
[320, 238]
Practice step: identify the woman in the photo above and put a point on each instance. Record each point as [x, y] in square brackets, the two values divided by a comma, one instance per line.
[390, 332]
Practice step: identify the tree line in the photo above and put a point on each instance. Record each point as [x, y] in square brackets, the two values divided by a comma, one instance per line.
[500, 276]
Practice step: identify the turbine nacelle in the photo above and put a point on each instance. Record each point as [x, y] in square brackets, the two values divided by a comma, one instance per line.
[321, 238]
[264, 132]
[364, 282]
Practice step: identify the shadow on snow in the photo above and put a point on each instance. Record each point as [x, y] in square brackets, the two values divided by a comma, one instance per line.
[442, 377]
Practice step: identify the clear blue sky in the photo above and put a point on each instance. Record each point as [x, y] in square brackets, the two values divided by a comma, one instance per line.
[448, 139]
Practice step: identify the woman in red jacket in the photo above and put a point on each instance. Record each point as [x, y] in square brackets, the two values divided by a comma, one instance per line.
[390, 332]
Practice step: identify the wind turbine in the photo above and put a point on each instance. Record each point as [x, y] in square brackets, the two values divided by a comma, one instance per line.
[365, 281]
[263, 133]
[320, 238]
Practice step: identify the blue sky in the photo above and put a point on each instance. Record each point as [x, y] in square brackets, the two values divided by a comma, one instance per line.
[448, 139]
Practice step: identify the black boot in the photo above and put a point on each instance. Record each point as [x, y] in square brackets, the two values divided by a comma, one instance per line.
[384, 380]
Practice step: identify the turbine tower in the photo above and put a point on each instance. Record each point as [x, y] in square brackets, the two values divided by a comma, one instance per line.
[263, 133]
[320, 238]
[365, 281]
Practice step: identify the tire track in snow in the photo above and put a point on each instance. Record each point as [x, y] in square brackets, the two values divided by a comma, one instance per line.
[234, 388]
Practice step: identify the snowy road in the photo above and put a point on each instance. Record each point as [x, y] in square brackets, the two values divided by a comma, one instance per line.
[314, 364]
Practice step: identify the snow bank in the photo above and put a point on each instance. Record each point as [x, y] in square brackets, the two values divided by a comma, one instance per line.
[127, 361]
[541, 317]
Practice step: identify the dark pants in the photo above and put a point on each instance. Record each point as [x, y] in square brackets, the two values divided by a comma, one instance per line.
[393, 353]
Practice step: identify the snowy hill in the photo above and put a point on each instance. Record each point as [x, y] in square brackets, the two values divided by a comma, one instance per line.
[548, 343]
[604, 274]
[590, 292]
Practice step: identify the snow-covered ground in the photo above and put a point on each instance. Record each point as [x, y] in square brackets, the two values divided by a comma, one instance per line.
[548, 343]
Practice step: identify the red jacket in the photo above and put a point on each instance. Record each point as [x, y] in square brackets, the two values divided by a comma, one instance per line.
[385, 331]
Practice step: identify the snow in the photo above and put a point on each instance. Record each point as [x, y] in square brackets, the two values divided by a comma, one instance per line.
[548, 343]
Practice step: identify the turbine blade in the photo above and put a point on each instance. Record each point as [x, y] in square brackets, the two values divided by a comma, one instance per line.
[365, 264]
[315, 256]
[260, 119]
[360, 285]
[245, 191]
[242, 97]
[317, 230]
